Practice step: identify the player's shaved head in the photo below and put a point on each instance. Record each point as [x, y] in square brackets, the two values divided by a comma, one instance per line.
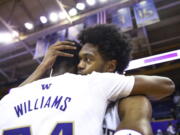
[67, 64]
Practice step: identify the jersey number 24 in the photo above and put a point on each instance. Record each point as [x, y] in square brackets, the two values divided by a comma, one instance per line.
[60, 129]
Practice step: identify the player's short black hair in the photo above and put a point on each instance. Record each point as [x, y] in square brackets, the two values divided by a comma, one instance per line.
[70, 61]
[111, 43]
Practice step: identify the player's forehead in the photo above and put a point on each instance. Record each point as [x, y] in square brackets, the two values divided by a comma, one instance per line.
[88, 49]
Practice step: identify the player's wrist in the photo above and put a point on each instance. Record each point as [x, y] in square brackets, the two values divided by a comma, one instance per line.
[44, 65]
[127, 132]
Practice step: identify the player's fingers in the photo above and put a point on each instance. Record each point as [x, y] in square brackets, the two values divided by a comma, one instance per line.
[64, 47]
[64, 54]
[64, 43]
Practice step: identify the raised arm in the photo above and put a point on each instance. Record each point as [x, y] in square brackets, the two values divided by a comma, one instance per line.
[135, 114]
[53, 52]
[154, 87]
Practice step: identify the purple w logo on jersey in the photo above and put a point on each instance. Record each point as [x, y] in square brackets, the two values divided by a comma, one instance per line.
[46, 86]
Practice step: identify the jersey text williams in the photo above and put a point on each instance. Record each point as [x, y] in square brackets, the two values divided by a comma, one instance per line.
[58, 102]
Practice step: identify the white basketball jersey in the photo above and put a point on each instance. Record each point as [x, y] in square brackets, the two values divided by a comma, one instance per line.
[111, 119]
[64, 105]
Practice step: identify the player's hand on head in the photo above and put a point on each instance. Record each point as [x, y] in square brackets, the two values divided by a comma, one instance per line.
[56, 50]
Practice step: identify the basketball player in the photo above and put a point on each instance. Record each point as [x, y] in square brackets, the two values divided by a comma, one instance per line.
[105, 49]
[63, 105]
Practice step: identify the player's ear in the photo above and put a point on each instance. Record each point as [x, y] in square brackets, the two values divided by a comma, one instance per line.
[111, 65]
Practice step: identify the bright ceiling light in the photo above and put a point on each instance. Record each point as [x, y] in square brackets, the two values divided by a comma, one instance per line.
[62, 15]
[91, 2]
[53, 17]
[43, 19]
[102, 1]
[72, 12]
[80, 6]
[6, 37]
[29, 26]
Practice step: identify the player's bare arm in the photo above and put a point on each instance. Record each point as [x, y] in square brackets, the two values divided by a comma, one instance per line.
[135, 113]
[154, 87]
[53, 52]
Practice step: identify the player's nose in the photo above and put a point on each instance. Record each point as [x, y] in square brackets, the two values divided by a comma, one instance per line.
[81, 67]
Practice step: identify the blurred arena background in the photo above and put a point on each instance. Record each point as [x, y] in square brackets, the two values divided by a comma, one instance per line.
[27, 28]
